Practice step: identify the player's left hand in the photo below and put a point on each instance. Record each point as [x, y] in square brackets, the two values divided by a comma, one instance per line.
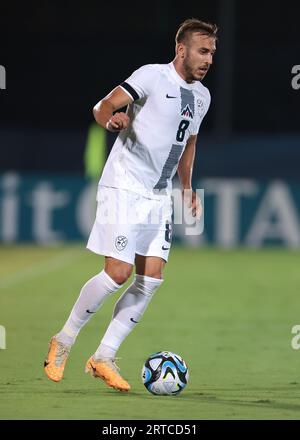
[193, 202]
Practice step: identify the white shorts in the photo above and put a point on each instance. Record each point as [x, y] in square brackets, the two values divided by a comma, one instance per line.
[128, 223]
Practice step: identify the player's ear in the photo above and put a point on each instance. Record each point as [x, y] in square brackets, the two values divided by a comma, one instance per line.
[180, 50]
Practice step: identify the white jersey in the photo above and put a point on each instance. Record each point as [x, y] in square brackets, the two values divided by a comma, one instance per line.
[164, 113]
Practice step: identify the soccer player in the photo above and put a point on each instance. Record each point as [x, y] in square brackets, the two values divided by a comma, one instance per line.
[166, 104]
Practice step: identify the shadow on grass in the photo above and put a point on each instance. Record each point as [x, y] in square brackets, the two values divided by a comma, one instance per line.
[255, 403]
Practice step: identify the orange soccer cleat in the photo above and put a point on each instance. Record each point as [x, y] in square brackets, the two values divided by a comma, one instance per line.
[107, 370]
[55, 362]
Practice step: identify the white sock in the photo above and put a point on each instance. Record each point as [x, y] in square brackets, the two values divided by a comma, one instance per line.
[127, 313]
[92, 296]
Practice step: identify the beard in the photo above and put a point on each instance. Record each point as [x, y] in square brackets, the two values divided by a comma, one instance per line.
[188, 70]
[190, 76]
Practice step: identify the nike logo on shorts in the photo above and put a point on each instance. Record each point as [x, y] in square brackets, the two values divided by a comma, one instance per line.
[165, 248]
[136, 322]
[170, 97]
[87, 311]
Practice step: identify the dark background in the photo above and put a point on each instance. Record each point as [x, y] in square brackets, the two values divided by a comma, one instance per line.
[62, 57]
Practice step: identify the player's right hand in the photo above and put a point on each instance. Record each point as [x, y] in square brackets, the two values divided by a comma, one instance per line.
[118, 122]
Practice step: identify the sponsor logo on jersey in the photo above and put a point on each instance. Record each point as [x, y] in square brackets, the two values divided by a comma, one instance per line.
[171, 97]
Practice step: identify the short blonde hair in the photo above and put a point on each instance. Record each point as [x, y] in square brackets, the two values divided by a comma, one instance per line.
[192, 25]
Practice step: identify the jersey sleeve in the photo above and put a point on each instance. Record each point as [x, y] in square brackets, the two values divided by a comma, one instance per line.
[201, 114]
[142, 82]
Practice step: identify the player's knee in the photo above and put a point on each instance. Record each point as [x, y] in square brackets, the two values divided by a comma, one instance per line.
[121, 277]
[119, 273]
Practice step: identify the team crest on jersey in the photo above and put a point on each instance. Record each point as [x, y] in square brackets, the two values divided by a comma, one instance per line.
[201, 108]
[187, 103]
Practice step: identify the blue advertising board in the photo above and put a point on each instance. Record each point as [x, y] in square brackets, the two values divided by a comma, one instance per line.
[238, 212]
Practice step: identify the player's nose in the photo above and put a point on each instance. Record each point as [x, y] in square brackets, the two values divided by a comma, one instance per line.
[210, 59]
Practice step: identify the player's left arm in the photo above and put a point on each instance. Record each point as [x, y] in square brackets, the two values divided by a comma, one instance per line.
[185, 172]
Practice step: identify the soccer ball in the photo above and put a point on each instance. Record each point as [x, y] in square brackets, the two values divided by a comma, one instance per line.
[165, 373]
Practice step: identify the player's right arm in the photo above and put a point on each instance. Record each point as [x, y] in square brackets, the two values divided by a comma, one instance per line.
[139, 85]
[104, 110]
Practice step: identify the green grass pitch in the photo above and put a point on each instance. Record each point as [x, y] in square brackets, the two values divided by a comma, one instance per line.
[229, 314]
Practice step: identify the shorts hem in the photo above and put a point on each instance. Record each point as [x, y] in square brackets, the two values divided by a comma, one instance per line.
[152, 255]
[109, 254]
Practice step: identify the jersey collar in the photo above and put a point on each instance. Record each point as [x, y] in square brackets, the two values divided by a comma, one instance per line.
[180, 80]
